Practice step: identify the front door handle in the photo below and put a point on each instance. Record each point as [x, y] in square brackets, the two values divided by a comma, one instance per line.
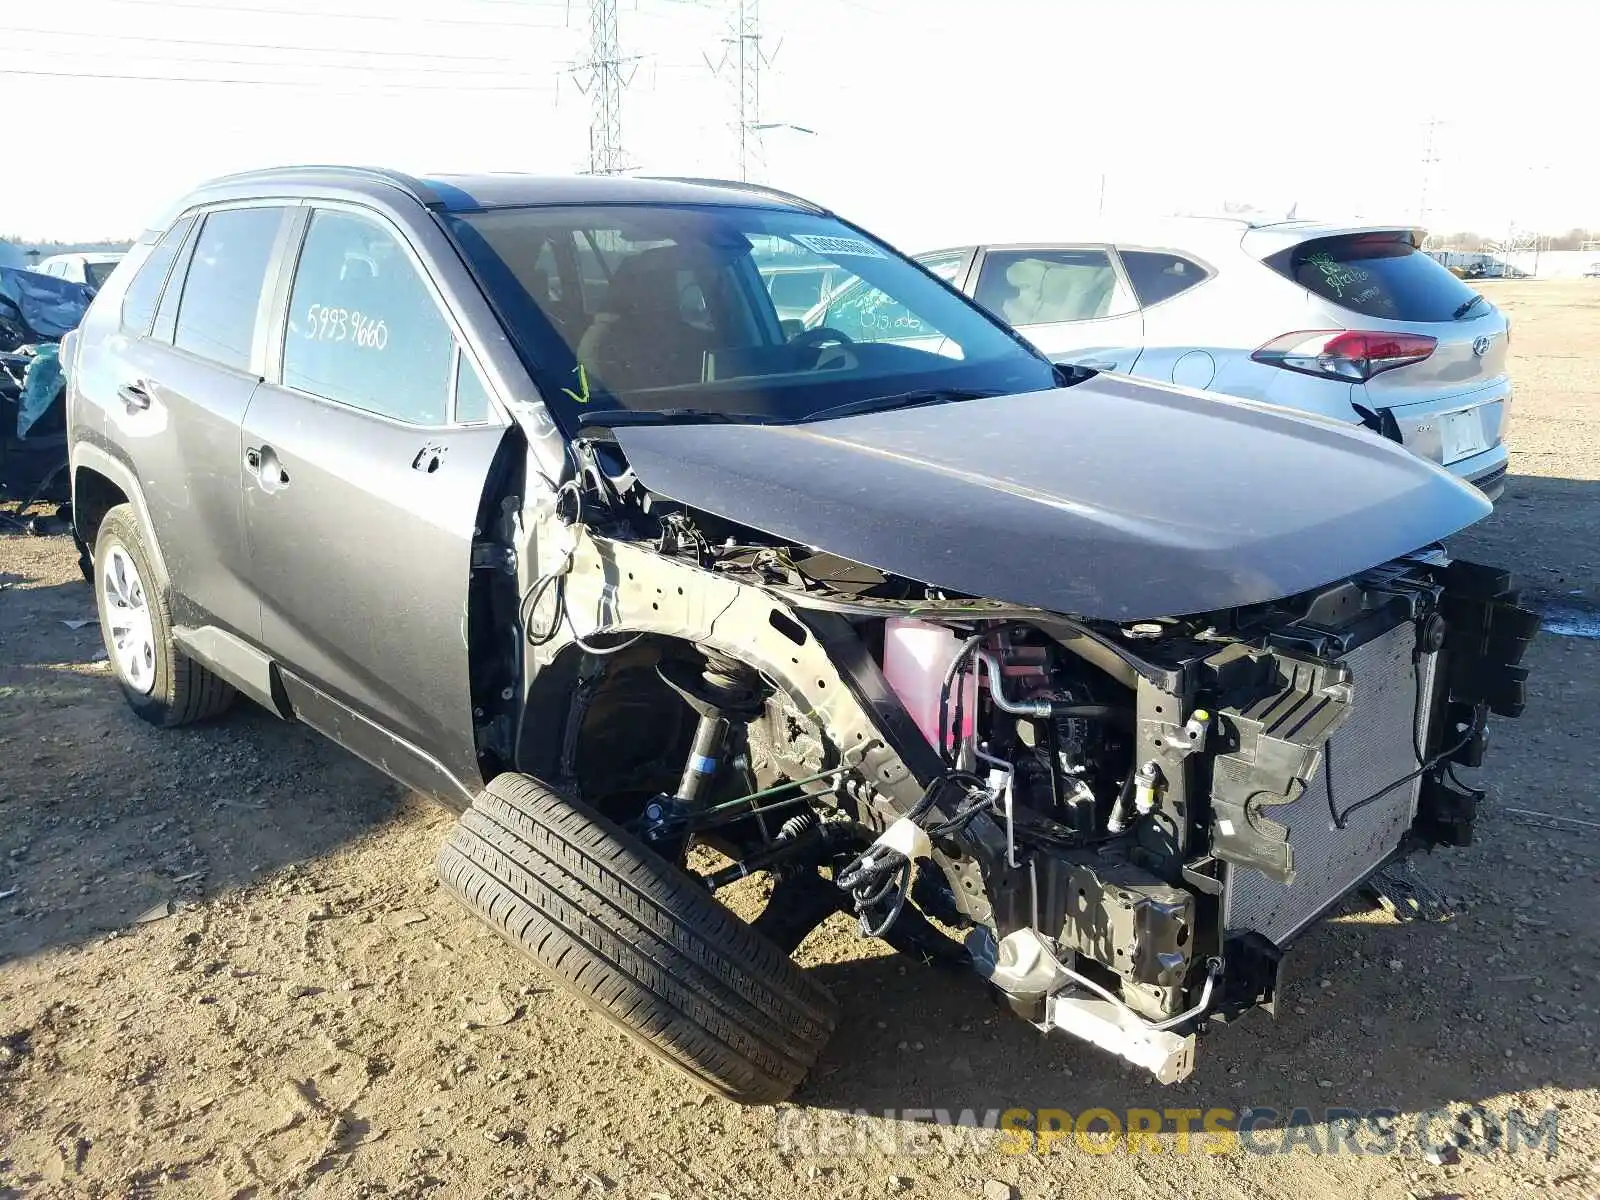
[269, 471]
[134, 397]
[429, 459]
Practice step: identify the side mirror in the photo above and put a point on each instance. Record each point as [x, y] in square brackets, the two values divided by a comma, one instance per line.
[791, 326]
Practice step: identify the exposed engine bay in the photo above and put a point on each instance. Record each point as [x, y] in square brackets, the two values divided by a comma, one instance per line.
[1121, 826]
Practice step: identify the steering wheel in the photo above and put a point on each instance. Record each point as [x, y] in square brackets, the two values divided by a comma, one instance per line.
[820, 336]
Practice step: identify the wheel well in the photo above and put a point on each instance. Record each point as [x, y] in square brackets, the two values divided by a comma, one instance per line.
[608, 728]
[93, 496]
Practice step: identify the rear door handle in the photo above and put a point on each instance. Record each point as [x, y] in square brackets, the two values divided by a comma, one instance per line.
[134, 397]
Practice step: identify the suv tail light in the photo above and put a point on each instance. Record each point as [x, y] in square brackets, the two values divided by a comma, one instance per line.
[1345, 353]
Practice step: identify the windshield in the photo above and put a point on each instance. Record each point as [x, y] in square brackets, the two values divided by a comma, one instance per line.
[704, 308]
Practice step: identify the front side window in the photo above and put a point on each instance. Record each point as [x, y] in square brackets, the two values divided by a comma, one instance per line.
[363, 328]
[144, 289]
[222, 291]
[681, 311]
[1043, 287]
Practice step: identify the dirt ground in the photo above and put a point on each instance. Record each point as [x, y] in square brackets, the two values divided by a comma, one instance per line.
[226, 968]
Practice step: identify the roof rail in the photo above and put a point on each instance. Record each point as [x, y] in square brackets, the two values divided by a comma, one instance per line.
[739, 185]
[412, 186]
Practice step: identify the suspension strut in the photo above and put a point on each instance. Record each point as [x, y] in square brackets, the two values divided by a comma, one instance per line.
[723, 693]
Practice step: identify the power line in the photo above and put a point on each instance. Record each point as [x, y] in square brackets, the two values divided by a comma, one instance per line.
[208, 61]
[296, 83]
[167, 41]
[387, 18]
[384, 68]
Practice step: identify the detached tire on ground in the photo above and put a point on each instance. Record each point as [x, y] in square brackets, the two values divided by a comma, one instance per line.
[638, 940]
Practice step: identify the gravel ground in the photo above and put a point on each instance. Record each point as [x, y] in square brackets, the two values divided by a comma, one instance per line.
[226, 968]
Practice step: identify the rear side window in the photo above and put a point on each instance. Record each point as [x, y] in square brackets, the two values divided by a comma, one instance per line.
[1157, 275]
[363, 327]
[1040, 287]
[144, 289]
[222, 291]
[1375, 274]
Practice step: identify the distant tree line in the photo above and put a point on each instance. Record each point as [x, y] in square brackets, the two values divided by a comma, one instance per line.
[21, 252]
[1572, 239]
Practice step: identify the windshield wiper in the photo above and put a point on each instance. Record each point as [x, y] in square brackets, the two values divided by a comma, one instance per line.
[900, 400]
[1465, 308]
[620, 418]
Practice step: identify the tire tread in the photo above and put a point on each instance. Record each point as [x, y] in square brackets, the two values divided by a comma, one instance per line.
[638, 940]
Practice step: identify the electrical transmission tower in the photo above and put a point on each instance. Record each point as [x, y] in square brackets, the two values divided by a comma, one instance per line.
[1430, 160]
[743, 58]
[603, 79]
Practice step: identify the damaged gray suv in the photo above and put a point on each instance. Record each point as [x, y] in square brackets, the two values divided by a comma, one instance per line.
[525, 491]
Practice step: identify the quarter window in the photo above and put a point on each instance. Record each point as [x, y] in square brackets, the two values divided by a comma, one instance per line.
[472, 398]
[144, 289]
[222, 291]
[1041, 287]
[1158, 276]
[363, 327]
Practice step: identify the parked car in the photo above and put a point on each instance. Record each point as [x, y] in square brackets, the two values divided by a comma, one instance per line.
[36, 313]
[798, 287]
[90, 269]
[1593, 272]
[1350, 322]
[519, 489]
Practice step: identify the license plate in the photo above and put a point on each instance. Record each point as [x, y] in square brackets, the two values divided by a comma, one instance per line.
[1461, 435]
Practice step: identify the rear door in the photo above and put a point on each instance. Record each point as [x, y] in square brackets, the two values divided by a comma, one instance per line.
[184, 374]
[1072, 302]
[1176, 345]
[366, 455]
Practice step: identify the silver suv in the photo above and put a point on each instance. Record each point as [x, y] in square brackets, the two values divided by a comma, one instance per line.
[524, 491]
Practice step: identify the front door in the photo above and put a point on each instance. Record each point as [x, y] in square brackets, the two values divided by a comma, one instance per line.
[1070, 302]
[366, 465]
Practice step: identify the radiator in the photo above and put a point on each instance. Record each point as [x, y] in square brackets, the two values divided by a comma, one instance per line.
[1372, 749]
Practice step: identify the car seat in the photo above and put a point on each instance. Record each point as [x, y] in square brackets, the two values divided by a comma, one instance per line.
[1075, 292]
[639, 338]
[1026, 275]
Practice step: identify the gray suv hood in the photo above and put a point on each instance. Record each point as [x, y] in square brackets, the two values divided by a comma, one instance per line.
[1115, 498]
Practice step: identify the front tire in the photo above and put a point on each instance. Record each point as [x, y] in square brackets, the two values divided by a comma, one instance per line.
[638, 940]
[161, 683]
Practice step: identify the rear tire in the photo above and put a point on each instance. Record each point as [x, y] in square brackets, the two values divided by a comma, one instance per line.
[162, 685]
[638, 940]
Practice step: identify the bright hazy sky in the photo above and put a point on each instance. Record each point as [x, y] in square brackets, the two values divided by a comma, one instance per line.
[931, 116]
